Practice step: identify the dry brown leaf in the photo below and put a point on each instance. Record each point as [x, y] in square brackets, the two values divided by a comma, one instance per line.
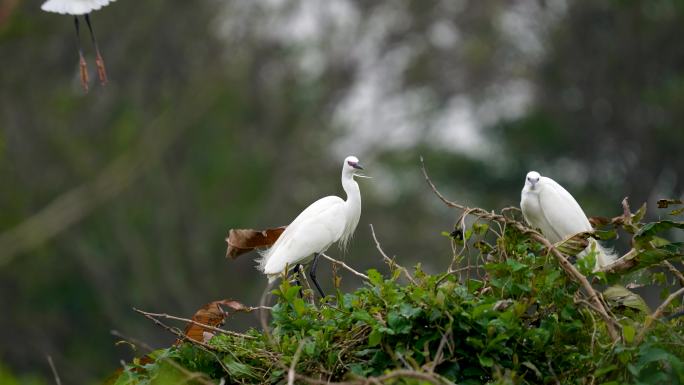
[664, 203]
[211, 314]
[241, 241]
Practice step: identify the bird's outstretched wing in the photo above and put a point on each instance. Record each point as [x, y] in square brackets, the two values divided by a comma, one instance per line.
[561, 211]
[74, 7]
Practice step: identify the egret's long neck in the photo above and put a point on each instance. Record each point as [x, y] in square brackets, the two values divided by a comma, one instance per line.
[353, 203]
[351, 188]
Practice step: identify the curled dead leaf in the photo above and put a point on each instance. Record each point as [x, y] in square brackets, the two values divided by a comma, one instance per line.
[212, 314]
[664, 203]
[241, 241]
[574, 244]
[601, 221]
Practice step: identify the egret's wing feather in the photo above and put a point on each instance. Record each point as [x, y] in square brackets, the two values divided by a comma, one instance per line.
[74, 7]
[283, 245]
[311, 234]
[563, 214]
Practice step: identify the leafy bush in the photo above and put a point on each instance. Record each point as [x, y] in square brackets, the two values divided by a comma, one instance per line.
[509, 310]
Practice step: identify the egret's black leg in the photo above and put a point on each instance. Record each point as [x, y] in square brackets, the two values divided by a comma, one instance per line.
[82, 63]
[295, 271]
[101, 70]
[312, 274]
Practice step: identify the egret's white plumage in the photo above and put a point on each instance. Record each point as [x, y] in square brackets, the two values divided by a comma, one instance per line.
[324, 222]
[546, 205]
[74, 7]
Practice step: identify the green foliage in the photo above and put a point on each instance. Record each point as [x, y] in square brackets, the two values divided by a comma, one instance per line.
[8, 378]
[519, 319]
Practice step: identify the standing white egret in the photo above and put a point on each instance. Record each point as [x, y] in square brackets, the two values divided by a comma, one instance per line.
[324, 222]
[546, 205]
[79, 8]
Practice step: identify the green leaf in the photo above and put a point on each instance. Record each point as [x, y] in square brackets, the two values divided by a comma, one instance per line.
[534, 368]
[409, 311]
[604, 370]
[375, 277]
[291, 293]
[299, 306]
[651, 229]
[628, 332]
[621, 296]
[605, 235]
[639, 215]
[486, 361]
[480, 228]
[362, 315]
[238, 369]
[374, 338]
[515, 265]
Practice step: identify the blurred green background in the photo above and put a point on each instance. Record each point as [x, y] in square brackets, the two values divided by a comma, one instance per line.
[238, 113]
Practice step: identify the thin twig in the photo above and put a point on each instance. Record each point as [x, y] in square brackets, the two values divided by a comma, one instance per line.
[291, 372]
[250, 309]
[401, 373]
[674, 271]
[54, 370]
[392, 264]
[173, 330]
[208, 327]
[263, 314]
[564, 263]
[553, 373]
[656, 314]
[340, 263]
[131, 340]
[440, 349]
[189, 374]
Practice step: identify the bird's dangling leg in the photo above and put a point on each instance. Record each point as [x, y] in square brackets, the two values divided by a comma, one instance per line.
[312, 274]
[82, 63]
[99, 61]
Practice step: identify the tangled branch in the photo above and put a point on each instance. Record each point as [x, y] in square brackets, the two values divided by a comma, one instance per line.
[570, 269]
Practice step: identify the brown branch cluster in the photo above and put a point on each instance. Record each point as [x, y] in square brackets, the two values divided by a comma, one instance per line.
[594, 298]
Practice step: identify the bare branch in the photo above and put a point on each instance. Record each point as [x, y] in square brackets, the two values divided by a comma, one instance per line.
[291, 372]
[401, 373]
[200, 377]
[208, 327]
[174, 331]
[676, 272]
[54, 370]
[562, 260]
[133, 341]
[340, 263]
[657, 314]
[391, 262]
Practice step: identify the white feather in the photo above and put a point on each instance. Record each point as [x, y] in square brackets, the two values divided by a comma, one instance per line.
[546, 205]
[324, 222]
[74, 7]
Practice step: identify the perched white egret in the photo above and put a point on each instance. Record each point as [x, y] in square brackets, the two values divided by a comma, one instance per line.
[82, 8]
[546, 205]
[326, 221]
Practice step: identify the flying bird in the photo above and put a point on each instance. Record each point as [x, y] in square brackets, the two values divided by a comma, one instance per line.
[326, 221]
[82, 8]
[546, 205]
